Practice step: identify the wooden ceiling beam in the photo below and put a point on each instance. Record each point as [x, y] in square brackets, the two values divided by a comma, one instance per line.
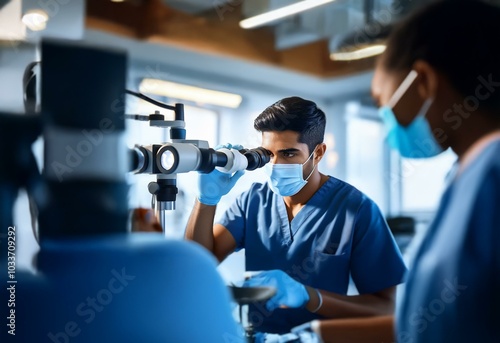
[211, 33]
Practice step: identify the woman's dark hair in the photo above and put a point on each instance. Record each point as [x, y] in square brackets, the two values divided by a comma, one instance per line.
[460, 38]
[294, 114]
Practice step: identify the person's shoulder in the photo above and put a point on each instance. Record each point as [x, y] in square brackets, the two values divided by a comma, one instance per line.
[257, 193]
[495, 161]
[350, 197]
[493, 168]
[256, 189]
[115, 245]
[485, 168]
[346, 190]
[259, 187]
[489, 181]
[339, 184]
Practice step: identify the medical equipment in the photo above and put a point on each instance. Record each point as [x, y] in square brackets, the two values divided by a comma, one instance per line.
[180, 155]
[245, 296]
[84, 189]
[90, 278]
[250, 295]
[290, 293]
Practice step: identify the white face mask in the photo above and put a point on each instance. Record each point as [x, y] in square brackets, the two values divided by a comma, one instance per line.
[287, 179]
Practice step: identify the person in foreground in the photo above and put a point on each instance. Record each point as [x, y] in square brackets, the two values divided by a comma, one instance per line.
[304, 233]
[438, 85]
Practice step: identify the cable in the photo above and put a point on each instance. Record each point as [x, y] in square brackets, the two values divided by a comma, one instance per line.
[137, 117]
[150, 100]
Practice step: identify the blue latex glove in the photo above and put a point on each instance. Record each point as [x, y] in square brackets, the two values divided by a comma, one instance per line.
[261, 337]
[300, 334]
[289, 293]
[306, 333]
[309, 337]
[229, 146]
[214, 185]
[301, 337]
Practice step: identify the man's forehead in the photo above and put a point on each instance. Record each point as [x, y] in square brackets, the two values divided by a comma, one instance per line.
[281, 136]
[282, 140]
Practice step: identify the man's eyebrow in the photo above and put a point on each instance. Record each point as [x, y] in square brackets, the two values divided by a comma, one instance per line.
[289, 150]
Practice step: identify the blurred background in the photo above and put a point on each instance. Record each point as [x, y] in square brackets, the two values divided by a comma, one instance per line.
[227, 61]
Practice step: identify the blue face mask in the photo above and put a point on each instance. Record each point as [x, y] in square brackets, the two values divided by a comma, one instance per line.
[415, 140]
[286, 179]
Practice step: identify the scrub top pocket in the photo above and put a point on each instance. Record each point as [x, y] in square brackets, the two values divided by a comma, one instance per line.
[334, 271]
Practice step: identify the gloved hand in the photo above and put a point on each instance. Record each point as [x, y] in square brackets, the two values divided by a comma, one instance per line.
[300, 337]
[229, 146]
[289, 293]
[214, 185]
[261, 337]
[308, 332]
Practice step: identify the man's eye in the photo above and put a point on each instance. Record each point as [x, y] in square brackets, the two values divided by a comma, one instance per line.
[288, 154]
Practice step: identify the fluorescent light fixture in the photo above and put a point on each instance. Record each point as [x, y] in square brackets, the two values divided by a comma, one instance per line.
[281, 12]
[190, 93]
[358, 54]
[35, 20]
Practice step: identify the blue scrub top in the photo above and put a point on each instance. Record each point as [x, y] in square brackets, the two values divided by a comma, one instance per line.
[453, 288]
[339, 232]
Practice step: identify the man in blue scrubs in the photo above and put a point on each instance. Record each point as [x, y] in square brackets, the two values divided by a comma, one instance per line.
[305, 231]
[439, 84]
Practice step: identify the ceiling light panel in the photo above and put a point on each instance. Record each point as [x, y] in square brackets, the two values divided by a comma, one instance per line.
[279, 13]
[190, 93]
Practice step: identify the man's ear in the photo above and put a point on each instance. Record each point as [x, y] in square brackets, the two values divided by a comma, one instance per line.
[319, 152]
[427, 80]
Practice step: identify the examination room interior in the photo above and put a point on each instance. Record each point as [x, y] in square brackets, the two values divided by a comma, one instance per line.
[177, 49]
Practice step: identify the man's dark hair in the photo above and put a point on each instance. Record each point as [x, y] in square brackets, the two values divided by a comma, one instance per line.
[294, 114]
[460, 38]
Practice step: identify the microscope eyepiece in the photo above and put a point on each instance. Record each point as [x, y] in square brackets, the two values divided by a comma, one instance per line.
[256, 158]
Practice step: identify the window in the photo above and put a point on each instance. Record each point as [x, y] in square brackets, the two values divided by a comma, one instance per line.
[365, 164]
[398, 185]
[423, 181]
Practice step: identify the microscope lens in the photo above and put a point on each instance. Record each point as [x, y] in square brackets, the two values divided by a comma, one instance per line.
[167, 159]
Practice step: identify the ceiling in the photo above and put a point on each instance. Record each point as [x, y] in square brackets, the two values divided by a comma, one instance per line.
[300, 43]
[200, 42]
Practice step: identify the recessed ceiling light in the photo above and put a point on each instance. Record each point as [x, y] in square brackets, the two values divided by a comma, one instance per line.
[35, 20]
